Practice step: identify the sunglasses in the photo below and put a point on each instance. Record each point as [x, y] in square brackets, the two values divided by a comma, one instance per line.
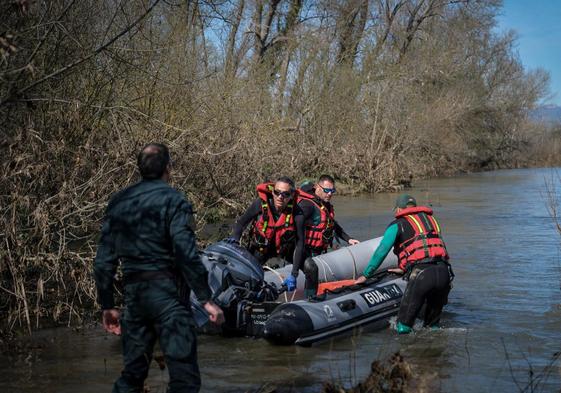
[284, 194]
[329, 190]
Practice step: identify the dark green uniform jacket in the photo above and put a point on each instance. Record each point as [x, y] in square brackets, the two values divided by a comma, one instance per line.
[148, 226]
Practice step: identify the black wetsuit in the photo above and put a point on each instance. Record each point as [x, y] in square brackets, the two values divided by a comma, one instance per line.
[312, 217]
[429, 280]
[296, 255]
[428, 283]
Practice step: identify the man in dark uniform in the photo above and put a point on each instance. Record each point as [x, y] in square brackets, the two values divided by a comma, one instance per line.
[277, 226]
[320, 225]
[148, 229]
[422, 258]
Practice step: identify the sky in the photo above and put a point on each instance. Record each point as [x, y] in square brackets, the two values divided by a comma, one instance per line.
[538, 24]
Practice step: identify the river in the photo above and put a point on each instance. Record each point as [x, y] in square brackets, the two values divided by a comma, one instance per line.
[501, 328]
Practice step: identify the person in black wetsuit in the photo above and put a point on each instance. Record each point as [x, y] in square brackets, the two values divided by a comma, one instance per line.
[422, 259]
[277, 226]
[320, 224]
[319, 216]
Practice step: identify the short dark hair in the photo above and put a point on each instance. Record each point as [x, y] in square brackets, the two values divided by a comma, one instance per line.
[287, 180]
[153, 160]
[326, 177]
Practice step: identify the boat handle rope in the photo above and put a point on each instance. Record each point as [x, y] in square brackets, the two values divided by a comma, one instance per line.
[324, 265]
[281, 280]
[354, 263]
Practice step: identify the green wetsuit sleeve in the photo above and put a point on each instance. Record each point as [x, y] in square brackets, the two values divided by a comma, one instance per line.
[382, 250]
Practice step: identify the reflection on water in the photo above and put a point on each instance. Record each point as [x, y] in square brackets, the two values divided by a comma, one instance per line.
[503, 317]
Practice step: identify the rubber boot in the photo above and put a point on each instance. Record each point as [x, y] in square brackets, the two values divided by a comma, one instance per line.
[402, 329]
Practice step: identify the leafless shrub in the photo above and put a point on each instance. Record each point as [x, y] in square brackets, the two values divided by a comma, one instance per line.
[375, 92]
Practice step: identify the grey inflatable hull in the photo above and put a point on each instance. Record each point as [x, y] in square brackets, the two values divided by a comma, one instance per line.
[342, 264]
[304, 322]
[252, 305]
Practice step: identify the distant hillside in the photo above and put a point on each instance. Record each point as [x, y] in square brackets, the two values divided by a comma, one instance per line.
[547, 114]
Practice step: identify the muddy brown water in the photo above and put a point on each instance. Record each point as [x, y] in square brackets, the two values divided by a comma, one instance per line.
[501, 328]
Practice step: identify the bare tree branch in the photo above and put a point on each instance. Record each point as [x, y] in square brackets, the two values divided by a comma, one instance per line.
[82, 60]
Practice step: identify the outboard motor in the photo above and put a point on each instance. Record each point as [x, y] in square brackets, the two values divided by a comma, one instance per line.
[236, 280]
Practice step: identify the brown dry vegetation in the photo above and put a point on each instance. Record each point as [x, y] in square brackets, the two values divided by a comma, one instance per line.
[390, 376]
[373, 91]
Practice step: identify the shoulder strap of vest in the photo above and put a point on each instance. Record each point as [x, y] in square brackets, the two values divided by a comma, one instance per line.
[265, 213]
[289, 211]
[423, 224]
[264, 191]
[435, 225]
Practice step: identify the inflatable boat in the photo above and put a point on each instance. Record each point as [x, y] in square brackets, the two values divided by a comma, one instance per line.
[305, 322]
[256, 304]
[342, 264]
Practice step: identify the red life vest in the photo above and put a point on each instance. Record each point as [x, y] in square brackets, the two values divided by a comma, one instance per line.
[266, 231]
[319, 236]
[422, 237]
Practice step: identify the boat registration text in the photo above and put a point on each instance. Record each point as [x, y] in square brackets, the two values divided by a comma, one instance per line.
[381, 295]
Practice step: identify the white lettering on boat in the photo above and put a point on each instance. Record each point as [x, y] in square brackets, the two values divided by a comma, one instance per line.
[328, 312]
[381, 295]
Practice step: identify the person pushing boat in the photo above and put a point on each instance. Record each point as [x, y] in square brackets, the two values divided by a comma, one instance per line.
[415, 236]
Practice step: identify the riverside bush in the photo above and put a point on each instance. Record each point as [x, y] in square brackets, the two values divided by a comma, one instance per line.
[375, 92]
